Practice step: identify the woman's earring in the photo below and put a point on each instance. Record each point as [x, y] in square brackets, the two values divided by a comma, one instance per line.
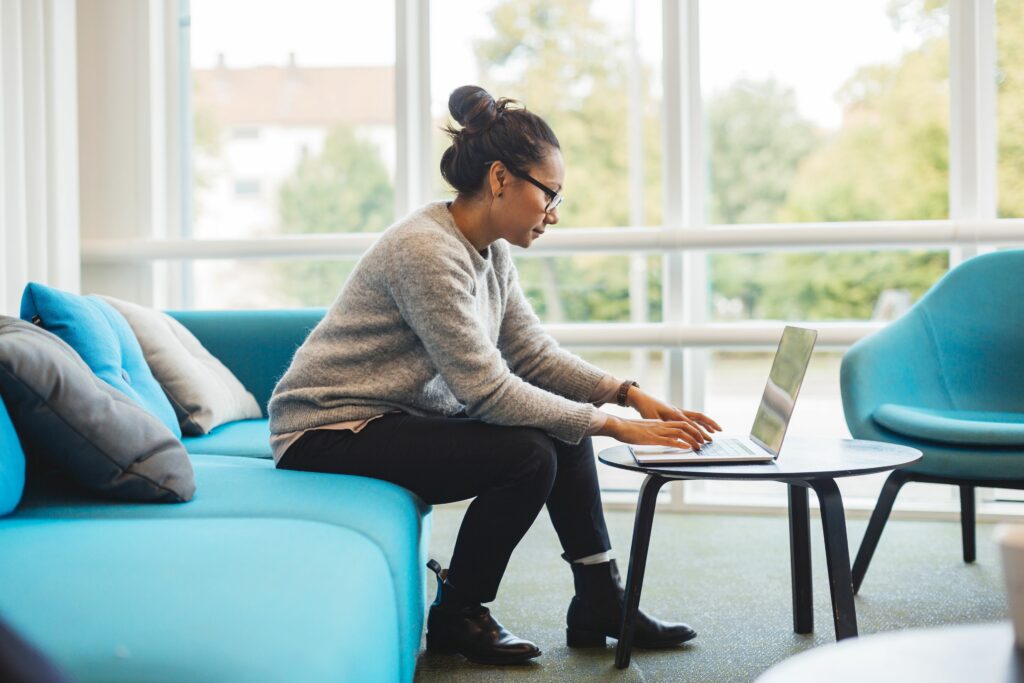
[501, 194]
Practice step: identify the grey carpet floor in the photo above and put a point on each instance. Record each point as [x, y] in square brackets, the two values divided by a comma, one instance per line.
[728, 577]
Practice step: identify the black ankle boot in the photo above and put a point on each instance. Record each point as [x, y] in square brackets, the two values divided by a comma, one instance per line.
[456, 624]
[595, 612]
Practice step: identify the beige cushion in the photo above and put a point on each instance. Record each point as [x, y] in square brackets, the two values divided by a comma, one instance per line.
[204, 393]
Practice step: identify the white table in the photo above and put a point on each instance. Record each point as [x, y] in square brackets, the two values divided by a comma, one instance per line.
[979, 653]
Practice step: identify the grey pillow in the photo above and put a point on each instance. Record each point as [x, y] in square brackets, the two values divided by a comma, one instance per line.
[202, 390]
[79, 423]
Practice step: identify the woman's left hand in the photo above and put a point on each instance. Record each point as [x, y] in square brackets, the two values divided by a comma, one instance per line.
[652, 409]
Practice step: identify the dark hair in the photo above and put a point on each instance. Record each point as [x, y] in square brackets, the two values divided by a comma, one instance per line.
[491, 130]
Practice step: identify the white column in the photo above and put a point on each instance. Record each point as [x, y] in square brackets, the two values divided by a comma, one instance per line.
[637, 262]
[683, 281]
[414, 167]
[127, 174]
[63, 224]
[972, 116]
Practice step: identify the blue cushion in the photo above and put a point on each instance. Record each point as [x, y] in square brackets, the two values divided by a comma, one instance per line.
[953, 426]
[12, 464]
[72, 419]
[202, 600]
[104, 340]
[250, 438]
[232, 487]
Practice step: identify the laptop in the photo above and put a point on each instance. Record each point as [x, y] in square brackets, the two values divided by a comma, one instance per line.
[765, 440]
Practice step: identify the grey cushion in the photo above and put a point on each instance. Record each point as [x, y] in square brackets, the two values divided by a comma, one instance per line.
[204, 393]
[79, 423]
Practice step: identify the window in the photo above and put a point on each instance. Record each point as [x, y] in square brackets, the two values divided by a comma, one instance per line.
[248, 188]
[294, 132]
[825, 124]
[831, 122]
[819, 126]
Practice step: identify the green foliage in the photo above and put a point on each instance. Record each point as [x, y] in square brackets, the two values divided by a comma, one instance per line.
[343, 189]
[756, 141]
[566, 64]
[590, 288]
[578, 81]
[767, 164]
[888, 161]
[822, 286]
[1010, 106]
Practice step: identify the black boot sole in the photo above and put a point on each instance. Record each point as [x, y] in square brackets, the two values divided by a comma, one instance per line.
[663, 644]
[580, 638]
[440, 645]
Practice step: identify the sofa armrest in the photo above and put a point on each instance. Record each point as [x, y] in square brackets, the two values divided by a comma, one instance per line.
[257, 346]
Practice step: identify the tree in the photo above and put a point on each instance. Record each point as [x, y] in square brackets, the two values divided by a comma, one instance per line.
[345, 188]
[757, 139]
[888, 161]
[567, 64]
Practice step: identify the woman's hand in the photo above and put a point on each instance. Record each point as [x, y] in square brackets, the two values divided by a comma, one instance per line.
[672, 433]
[653, 409]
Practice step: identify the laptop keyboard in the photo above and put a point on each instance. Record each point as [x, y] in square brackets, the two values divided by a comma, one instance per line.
[725, 447]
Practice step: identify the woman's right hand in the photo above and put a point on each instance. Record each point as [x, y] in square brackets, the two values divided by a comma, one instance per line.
[654, 432]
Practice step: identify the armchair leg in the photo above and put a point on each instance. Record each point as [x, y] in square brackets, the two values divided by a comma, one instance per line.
[967, 521]
[879, 517]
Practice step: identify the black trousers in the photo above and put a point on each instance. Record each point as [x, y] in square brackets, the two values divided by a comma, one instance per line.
[511, 471]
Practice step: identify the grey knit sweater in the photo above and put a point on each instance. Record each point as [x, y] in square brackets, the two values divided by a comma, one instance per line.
[427, 325]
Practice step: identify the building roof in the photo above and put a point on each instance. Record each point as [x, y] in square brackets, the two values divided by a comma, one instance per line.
[296, 96]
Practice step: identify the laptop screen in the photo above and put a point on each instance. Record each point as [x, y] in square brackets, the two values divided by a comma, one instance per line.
[784, 381]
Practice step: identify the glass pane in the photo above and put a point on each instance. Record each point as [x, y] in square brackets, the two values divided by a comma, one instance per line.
[222, 284]
[574, 63]
[593, 287]
[841, 285]
[735, 381]
[293, 105]
[840, 116]
[1010, 106]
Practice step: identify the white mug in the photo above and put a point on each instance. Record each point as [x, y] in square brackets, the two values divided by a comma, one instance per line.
[1011, 546]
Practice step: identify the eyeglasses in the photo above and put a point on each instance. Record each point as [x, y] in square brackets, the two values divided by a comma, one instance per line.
[555, 199]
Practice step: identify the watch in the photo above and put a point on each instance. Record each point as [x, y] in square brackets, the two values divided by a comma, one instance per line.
[620, 395]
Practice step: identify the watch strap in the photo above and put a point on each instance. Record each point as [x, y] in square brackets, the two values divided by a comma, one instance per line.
[620, 395]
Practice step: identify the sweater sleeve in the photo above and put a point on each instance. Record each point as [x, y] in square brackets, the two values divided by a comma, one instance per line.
[433, 289]
[535, 356]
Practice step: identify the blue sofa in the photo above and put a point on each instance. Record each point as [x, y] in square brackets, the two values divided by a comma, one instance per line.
[265, 575]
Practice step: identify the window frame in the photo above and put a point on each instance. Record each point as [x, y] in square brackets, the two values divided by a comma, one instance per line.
[684, 238]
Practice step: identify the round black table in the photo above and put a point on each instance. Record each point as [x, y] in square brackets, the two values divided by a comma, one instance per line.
[983, 653]
[804, 463]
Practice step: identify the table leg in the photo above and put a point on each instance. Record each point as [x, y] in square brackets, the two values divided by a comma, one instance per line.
[800, 559]
[637, 562]
[837, 557]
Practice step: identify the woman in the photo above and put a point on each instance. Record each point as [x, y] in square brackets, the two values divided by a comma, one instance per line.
[431, 371]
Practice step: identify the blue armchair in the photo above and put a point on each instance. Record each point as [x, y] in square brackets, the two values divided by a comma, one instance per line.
[946, 378]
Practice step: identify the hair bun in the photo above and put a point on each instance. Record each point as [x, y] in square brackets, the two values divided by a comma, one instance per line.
[472, 107]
